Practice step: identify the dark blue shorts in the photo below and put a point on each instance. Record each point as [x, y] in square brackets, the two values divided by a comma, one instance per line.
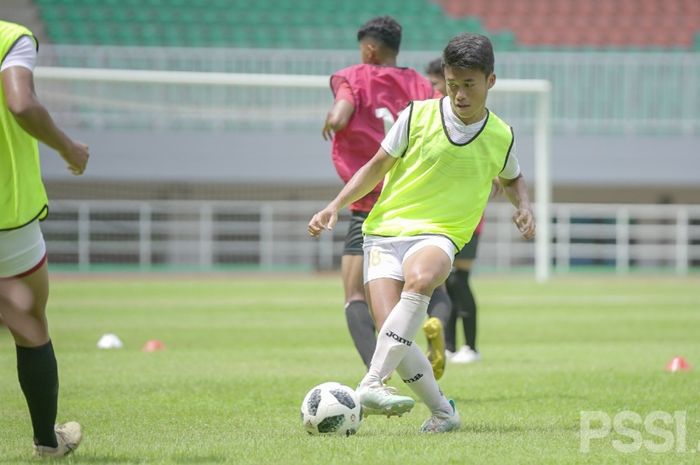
[354, 238]
[468, 252]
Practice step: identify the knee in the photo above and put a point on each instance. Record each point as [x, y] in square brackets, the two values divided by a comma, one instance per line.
[421, 282]
[18, 296]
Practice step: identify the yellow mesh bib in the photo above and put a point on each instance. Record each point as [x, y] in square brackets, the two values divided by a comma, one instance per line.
[22, 194]
[437, 186]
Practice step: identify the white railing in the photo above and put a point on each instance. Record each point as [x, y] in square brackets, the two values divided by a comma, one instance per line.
[206, 235]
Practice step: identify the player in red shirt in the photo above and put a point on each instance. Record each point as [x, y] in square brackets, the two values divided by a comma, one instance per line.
[368, 97]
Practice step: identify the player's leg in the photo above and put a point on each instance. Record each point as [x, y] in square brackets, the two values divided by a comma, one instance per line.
[15, 302]
[450, 332]
[440, 306]
[416, 371]
[427, 267]
[439, 312]
[465, 307]
[37, 370]
[357, 314]
[424, 265]
[36, 363]
[383, 284]
[384, 294]
[469, 318]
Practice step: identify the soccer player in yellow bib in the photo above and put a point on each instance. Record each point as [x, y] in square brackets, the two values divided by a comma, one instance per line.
[23, 203]
[438, 162]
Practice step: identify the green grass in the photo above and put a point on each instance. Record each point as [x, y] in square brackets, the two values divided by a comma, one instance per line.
[242, 351]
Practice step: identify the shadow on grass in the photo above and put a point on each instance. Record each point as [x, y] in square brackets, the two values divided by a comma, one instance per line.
[198, 459]
[515, 428]
[103, 459]
[523, 397]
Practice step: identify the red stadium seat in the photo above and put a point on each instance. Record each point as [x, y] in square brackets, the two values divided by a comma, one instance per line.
[614, 24]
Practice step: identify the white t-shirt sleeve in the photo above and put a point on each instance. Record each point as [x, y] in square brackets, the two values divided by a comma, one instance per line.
[396, 140]
[22, 54]
[512, 168]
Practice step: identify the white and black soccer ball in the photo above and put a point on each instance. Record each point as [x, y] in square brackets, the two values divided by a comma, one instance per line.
[331, 408]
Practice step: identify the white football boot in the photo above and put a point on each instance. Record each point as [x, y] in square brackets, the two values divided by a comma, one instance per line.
[378, 399]
[441, 423]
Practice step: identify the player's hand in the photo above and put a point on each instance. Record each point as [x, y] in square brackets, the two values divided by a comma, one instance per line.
[328, 131]
[323, 220]
[76, 155]
[525, 222]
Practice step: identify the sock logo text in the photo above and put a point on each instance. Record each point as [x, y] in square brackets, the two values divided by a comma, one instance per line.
[398, 338]
[414, 379]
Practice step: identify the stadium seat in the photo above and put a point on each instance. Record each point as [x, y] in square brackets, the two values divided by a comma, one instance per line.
[549, 24]
[679, 19]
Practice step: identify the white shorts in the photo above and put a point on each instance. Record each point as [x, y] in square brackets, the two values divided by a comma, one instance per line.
[384, 256]
[21, 250]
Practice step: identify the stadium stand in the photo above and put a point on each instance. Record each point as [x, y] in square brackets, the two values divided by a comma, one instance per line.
[323, 24]
[24, 12]
[587, 24]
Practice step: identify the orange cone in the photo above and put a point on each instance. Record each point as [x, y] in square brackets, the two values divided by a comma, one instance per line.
[677, 364]
[153, 345]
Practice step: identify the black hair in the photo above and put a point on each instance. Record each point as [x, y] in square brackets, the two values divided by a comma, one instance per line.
[434, 67]
[385, 29]
[469, 51]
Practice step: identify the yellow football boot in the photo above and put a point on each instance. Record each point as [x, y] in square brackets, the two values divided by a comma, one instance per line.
[436, 345]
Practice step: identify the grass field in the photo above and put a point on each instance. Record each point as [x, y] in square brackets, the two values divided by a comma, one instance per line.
[242, 351]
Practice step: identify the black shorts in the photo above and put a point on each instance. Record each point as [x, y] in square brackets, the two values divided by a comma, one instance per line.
[468, 252]
[354, 238]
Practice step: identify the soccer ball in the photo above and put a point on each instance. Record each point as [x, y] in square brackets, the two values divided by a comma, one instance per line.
[331, 408]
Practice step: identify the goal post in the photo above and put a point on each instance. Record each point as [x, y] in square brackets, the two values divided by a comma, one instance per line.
[543, 181]
[540, 89]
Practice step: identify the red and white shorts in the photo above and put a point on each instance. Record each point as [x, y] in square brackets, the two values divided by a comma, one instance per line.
[22, 251]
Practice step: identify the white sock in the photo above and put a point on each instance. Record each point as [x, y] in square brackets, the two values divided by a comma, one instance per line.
[396, 336]
[415, 370]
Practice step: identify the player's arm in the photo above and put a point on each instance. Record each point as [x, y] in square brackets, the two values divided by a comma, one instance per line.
[338, 117]
[362, 183]
[496, 189]
[516, 191]
[32, 116]
[340, 113]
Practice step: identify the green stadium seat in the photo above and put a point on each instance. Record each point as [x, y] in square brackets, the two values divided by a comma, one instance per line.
[318, 23]
[52, 16]
[62, 3]
[504, 42]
